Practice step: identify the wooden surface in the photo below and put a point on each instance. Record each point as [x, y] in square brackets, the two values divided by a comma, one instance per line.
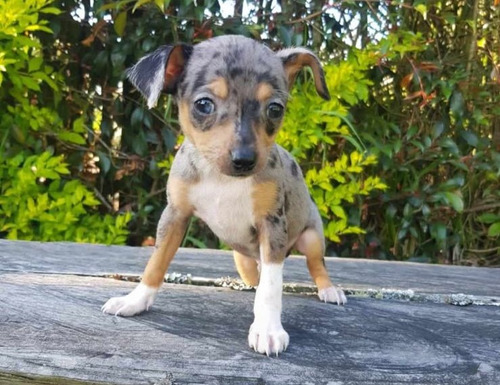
[70, 258]
[51, 326]
[26, 379]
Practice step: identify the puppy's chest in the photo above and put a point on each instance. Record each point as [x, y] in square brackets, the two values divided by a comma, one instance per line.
[226, 206]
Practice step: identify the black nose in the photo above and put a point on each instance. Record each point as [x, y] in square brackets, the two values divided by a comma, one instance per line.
[244, 159]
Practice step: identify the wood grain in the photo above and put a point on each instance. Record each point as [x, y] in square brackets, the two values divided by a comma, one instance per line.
[51, 328]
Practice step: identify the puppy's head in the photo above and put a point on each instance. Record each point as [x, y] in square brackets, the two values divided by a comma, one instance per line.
[231, 92]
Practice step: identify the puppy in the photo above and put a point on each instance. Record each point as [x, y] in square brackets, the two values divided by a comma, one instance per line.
[232, 92]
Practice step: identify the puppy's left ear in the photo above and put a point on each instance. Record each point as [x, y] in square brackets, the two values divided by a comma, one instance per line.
[294, 59]
[160, 71]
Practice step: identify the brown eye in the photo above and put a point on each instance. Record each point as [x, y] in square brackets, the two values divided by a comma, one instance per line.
[275, 111]
[204, 106]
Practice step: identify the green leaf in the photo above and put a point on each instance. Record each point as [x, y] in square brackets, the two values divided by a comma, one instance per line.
[142, 2]
[196, 242]
[62, 169]
[411, 132]
[458, 164]
[470, 137]
[437, 129]
[438, 231]
[422, 9]
[104, 161]
[51, 10]
[34, 64]
[49, 174]
[453, 183]
[455, 201]
[391, 211]
[285, 35]
[46, 79]
[29, 82]
[489, 218]
[419, 145]
[78, 125]
[457, 104]
[494, 230]
[450, 145]
[38, 28]
[407, 210]
[72, 137]
[120, 23]
[427, 142]
[160, 4]
[339, 212]
[413, 232]
[137, 117]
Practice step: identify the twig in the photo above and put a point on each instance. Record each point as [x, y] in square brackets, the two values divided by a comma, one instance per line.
[482, 208]
[103, 200]
[485, 251]
[309, 17]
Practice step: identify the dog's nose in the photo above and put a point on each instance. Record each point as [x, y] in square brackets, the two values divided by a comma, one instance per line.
[244, 159]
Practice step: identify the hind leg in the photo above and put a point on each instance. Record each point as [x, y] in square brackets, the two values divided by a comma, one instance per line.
[247, 268]
[311, 244]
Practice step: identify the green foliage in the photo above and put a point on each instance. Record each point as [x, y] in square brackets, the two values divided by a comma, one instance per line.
[20, 53]
[337, 185]
[437, 137]
[317, 134]
[36, 203]
[413, 85]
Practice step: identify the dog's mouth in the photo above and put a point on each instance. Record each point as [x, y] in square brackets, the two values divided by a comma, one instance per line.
[238, 173]
[241, 174]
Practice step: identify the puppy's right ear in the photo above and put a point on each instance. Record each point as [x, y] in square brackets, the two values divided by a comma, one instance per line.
[160, 71]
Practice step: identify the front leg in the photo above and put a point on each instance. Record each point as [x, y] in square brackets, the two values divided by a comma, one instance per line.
[266, 334]
[171, 229]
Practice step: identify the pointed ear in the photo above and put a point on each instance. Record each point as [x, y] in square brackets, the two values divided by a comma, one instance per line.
[159, 71]
[294, 59]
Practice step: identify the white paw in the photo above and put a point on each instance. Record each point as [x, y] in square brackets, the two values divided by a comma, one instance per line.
[140, 299]
[268, 339]
[332, 294]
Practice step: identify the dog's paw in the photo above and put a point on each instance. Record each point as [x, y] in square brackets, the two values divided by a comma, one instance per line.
[140, 299]
[268, 339]
[332, 294]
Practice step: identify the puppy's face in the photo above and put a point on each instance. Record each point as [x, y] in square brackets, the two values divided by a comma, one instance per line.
[232, 99]
[232, 94]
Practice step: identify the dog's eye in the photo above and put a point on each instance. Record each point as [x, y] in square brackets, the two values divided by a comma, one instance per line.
[204, 106]
[275, 111]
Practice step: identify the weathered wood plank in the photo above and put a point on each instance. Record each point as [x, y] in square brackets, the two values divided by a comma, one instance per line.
[24, 379]
[65, 257]
[50, 325]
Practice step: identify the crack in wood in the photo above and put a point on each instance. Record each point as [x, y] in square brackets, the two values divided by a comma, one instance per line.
[296, 288]
[456, 299]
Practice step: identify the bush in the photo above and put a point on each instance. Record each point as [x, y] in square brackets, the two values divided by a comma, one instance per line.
[434, 134]
[415, 88]
[35, 204]
[36, 201]
[320, 135]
